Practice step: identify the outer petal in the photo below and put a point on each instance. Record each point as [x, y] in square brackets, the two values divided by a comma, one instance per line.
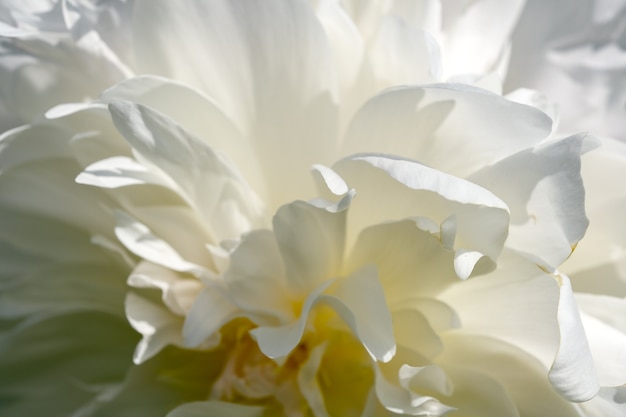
[118, 172]
[207, 120]
[205, 179]
[604, 319]
[544, 191]
[139, 239]
[476, 34]
[274, 77]
[572, 374]
[598, 265]
[178, 292]
[452, 127]
[522, 377]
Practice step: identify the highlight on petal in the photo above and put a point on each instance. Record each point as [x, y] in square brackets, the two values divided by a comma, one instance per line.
[158, 327]
[572, 374]
[455, 128]
[481, 217]
[209, 182]
[547, 202]
[118, 172]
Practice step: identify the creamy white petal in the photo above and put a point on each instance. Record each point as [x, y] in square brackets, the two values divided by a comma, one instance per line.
[359, 299]
[413, 332]
[411, 262]
[178, 292]
[524, 300]
[207, 120]
[573, 373]
[120, 171]
[543, 189]
[604, 319]
[521, 375]
[311, 242]
[477, 394]
[417, 190]
[278, 341]
[209, 182]
[256, 278]
[455, 128]
[158, 326]
[597, 264]
[275, 78]
[210, 311]
[401, 54]
[142, 242]
[475, 34]
[397, 399]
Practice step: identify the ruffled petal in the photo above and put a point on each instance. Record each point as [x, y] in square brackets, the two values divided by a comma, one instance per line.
[544, 191]
[208, 182]
[411, 263]
[359, 300]
[481, 218]
[455, 128]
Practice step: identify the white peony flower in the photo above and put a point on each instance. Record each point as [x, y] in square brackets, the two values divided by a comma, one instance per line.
[412, 272]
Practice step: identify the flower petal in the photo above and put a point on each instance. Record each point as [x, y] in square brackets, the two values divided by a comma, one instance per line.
[139, 239]
[523, 377]
[604, 319]
[544, 191]
[572, 374]
[210, 311]
[207, 121]
[178, 292]
[360, 301]
[205, 179]
[256, 279]
[311, 242]
[118, 172]
[158, 326]
[417, 190]
[275, 77]
[411, 263]
[455, 128]
[278, 341]
[522, 297]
